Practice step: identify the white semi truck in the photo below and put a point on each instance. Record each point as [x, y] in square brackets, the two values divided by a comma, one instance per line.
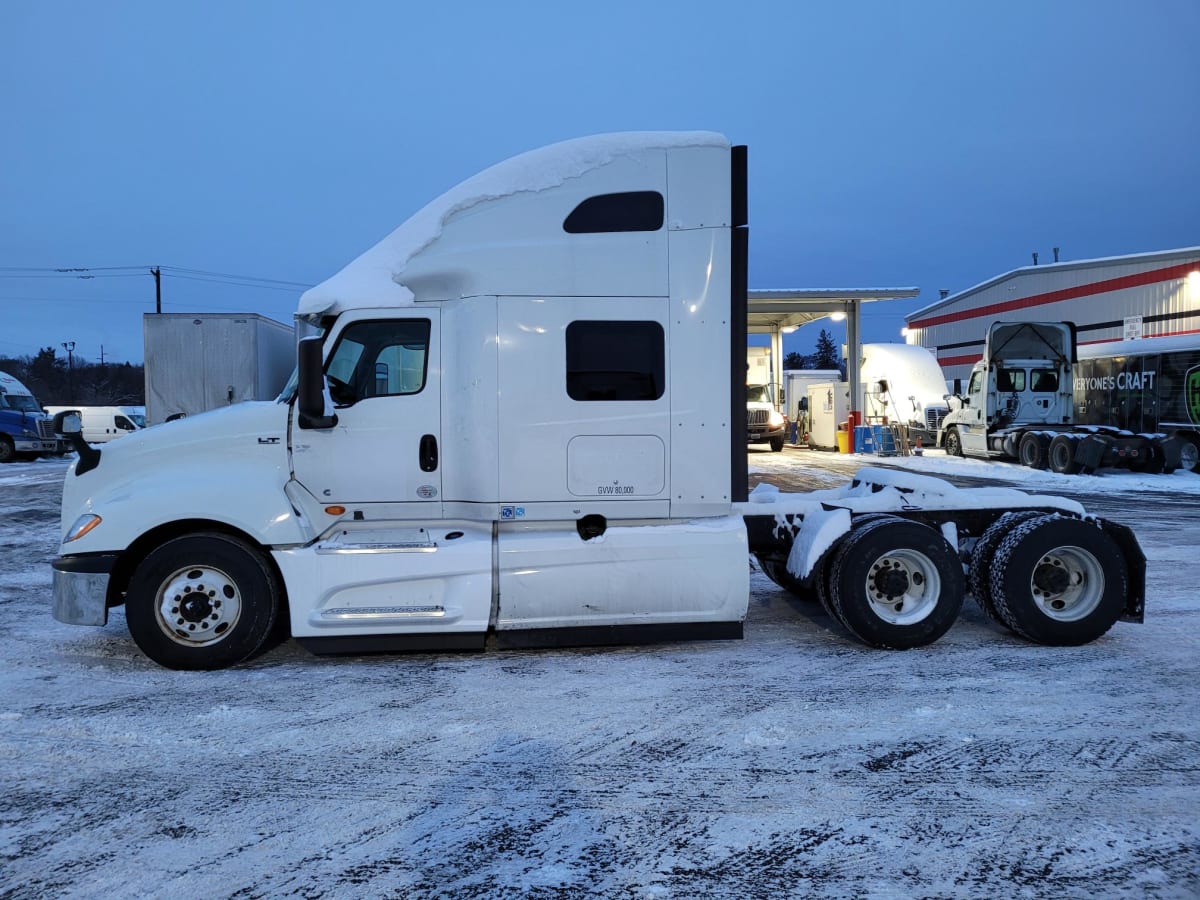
[427, 481]
[1033, 399]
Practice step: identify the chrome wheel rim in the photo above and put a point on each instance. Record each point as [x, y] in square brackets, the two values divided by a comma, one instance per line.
[197, 606]
[1067, 584]
[903, 587]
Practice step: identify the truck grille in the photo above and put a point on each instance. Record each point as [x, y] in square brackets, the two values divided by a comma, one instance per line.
[757, 416]
[46, 429]
[934, 416]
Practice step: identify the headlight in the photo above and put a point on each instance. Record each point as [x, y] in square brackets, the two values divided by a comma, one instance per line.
[775, 419]
[82, 526]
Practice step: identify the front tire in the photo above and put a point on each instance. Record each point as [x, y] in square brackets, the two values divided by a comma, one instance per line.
[896, 584]
[204, 601]
[1059, 581]
[777, 444]
[8, 452]
[953, 443]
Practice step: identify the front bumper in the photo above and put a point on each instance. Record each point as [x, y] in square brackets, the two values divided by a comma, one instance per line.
[757, 434]
[37, 445]
[81, 588]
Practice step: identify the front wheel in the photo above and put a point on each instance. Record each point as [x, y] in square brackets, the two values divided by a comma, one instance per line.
[896, 584]
[204, 601]
[953, 443]
[1058, 581]
[7, 451]
[777, 444]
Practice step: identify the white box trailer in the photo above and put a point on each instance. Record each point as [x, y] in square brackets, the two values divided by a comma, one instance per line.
[519, 424]
[197, 362]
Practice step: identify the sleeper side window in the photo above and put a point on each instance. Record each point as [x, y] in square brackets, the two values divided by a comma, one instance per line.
[627, 211]
[378, 359]
[615, 361]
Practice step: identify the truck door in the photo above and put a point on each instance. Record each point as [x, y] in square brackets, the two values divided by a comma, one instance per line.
[384, 381]
[973, 431]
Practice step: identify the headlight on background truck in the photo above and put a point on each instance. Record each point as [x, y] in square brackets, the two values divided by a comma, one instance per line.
[82, 526]
[775, 419]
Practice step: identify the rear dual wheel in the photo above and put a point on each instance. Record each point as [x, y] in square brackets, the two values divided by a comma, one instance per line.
[979, 569]
[1057, 580]
[895, 584]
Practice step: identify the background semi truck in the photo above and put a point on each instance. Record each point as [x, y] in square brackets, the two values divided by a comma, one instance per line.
[25, 429]
[1036, 398]
[429, 481]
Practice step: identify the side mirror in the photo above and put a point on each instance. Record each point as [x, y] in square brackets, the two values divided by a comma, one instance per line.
[67, 423]
[958, 387]
[310, 389]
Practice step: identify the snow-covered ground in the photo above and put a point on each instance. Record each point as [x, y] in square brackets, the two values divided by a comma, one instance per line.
[792, 763]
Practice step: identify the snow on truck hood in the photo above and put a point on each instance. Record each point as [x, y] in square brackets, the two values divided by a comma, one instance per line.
[376, 278]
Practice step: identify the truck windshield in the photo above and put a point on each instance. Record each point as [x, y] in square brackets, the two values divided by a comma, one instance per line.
[758, 393]
[19, 402]
[137, 419]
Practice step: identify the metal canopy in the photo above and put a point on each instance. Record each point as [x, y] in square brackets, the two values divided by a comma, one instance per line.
[772, 311]
[777, 309]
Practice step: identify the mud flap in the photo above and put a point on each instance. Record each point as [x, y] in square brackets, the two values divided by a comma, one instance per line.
[1135, 564]
[1091, 451]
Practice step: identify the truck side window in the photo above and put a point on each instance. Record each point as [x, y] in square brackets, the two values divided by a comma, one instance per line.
[615, 361]
[627, 211]
[1044, 380]
[378, 359]
[1010, 379]
[124, 424]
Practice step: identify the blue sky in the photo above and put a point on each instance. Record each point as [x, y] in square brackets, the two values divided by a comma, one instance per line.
[932, 144]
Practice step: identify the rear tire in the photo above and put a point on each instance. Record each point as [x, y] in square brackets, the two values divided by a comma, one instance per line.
[1059, 581]
[203, 601]
[896, 584]
[778, 573]
[1189, 455]
[979, 569]
[1061, 455]
[1033, 450]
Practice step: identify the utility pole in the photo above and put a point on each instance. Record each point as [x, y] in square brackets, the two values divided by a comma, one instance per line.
[69, 346]
[157, 289]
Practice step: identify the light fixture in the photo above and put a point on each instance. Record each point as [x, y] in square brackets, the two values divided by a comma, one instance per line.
[837, 316]
[903, 332]
[788, 329]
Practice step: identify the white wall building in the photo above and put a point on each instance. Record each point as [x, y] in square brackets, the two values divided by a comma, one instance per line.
[1145, 295]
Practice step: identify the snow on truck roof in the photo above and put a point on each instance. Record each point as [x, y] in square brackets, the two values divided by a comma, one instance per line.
[376, 277]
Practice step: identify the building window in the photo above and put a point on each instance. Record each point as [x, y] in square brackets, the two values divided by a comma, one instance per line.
[615, 361]
[378, 359]
[628, 211]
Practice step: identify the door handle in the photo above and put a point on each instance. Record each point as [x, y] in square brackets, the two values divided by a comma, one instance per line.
[429, 453]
